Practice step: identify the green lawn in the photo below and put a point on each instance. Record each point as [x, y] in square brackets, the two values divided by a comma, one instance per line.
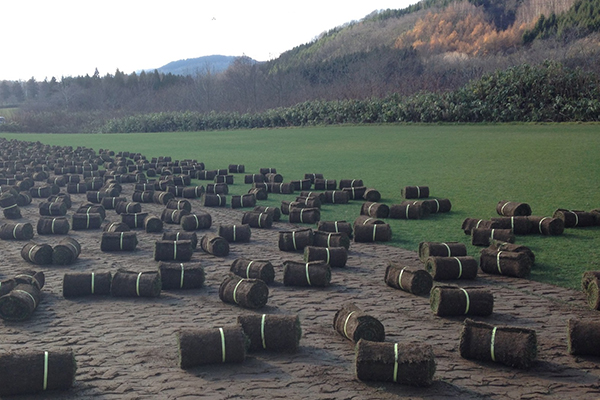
[475, 166]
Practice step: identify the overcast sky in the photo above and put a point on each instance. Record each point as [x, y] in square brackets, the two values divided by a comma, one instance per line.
[42, 38]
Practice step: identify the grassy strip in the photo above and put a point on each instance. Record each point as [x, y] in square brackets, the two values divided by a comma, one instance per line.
[475, 166]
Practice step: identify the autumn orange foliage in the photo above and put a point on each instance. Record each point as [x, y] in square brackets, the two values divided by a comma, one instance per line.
[462, 28]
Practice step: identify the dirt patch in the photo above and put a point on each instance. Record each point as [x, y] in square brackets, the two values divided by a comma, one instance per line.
[126, 347]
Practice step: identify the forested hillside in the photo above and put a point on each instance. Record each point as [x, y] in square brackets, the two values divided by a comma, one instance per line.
[434, 47]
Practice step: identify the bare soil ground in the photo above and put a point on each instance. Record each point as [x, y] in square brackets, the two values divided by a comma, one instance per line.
[126, 348]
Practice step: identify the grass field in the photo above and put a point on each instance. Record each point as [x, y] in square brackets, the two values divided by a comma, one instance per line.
[475, 166]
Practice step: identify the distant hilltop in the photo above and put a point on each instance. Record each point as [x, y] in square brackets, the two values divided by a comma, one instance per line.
[199, 65]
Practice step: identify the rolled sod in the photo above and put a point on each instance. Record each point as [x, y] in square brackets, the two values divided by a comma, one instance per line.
[335, 226]
[211, 346]
[517, 225]
[128, 207]
[118, 241]
[280, 187]
[309, 201]
[135, 284]
[375, 210]
[32, 371]
[217, 189]
[366, 220]
[12, 212]
[320, 195]
[258, 193]
[287, 206]
[244, 292]
[305, 215]
[153, 224]
[236, 168]
[512, 209]
[276, 333]
[449, 268]
[66, 251]
[61, 198]
[274, 211]
[498, 245]
[40, 254]
[77, 284]
[325, 184]
[193, 192]
[110, 203]
[253, 269]
[177, 276]
[331, 239]
[355, 192]
[349, 183]
[16, 231]
[372, 195]
[215, 245]
[372, 233]
[336, 197]
[162, 197]
[547, 226]
[446, 300]
[89, 208]
[438, 205]
[242, 201]
[414, 192]
[409, 210]
[295, 240]
[235, 233]
[41, 191]
[587, 277]
[411, 364]
[182, 235]
[354, 324]
[315, 273]
[473, 223]
[575, 218]
[484, 237]
[256, 219]
[23, 199]
[441, 249]
[180, 204]
[336, 257]
[171, 216]
[214, 200]
[35, 278]
[512, 346]
[196, 221]
[57, 209]
[505, 263]
[116, 227]
[173, 250]
[8, 199]
[87, 221]
[254, 178]
[146, 196]
[20, 303]
[583, 336]
[53, 226]
[592, 291]
[409, 279]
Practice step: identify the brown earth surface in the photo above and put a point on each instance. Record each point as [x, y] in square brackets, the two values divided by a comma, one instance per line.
[126, 348]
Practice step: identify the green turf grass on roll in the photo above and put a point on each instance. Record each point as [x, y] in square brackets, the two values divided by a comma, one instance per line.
[274, 211]
[153, 224]
[173, 250]
[546, 225]
[118, 241]
[372, 233]
[484, 237]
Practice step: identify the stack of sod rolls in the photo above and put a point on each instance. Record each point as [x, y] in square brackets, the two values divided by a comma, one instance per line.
[409, 279]
[247, 293]
[512, 346]
[354, 324]
[276, 333]
[336, 226]
[254, 269]
[32, 371]
[447, 300]
[211, 346]
[77, 284]
[331, 239]
[410, 364]
[484, 236]
[182, 235]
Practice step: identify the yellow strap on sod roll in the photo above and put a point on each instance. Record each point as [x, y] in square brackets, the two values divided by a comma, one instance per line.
[448, 247]
[248, 269]
[374, 231]
[93, 282]
[366, 221]
[395, 362]
[174, 249]
[234, 233]
[294, 239]
[301, 217]
[492, 234]
[406, 211]
[222, 344]
[28, 294]
[235, 291]
[181, 280]
[492, 343]
[14, 233]
[197, 222]
[329, 240]
[308, 276]
[336, 226]
[576, 217]
[460, 267]
[468, 301]
[437, 205]
[512, 224]
[502, 209]
[328, 255]
[262, 330]
[346, 324]
[137, 284]
[121, 241]
[260, 218]
[400, 278]
[45, 385]
[53, 219]
[29, 254]
[369, 209]
[498, 262]
[418, 192]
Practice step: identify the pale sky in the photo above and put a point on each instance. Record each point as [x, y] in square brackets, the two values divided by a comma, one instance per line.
[42, 38]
